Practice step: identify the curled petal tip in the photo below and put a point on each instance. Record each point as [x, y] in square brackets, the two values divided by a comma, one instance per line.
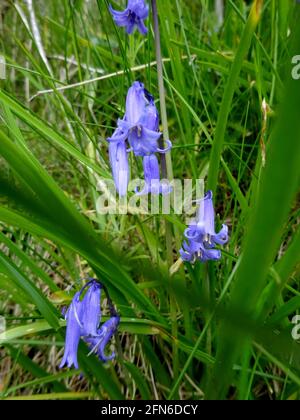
[209, 195]
[167, 149]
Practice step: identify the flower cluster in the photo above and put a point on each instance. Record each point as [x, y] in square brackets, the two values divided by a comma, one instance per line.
[133, 16]
[137, 132]
[201, 238]
[140, 128]
[83, 319]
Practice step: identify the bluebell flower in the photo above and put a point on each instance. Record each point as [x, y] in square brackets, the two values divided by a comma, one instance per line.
[205, 223]
[98, 343]
[136, 101]
[141, 121]
[201, 237]
[153, 185]
[73, 332]
[133, 16]
[118, 158]
[83, 319]
[140, 125]
[140, 128]
[91, 310]
[141, 138]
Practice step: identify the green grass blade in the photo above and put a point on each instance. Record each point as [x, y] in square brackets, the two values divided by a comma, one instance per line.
[225, 108]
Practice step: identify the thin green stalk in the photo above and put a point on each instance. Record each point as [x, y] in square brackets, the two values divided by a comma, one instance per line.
[167, 173]
[275, 48]
[166, 160]
[225, 109]
[54, 396]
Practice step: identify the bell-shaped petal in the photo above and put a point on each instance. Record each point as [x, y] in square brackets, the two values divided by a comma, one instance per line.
[118, 158]
[209, 255]
[142, 27]
[150, 117]
[135, 103]
[153, 185]
[91, 311]
[73, 333]
[151, 168]
[206, 215]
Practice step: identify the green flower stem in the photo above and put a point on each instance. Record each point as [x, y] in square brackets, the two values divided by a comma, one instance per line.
[166, 161]
[167, 173]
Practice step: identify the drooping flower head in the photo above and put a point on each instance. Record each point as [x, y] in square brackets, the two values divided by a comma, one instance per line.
[140, 128]
[140, 125]
[73, 333]
[141, 121]
[83, 320]
[201, 237]
[206, 222]
[133, 16]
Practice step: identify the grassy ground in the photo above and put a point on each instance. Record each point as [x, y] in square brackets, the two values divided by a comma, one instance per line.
[217, 331]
